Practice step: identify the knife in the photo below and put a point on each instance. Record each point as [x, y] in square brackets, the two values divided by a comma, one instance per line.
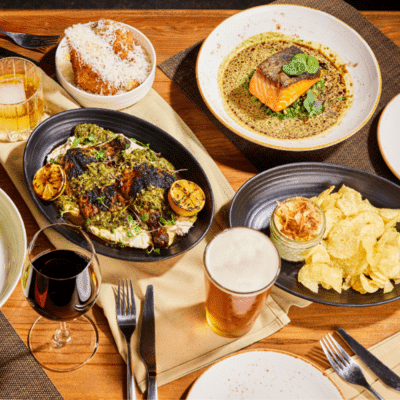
[377, 367]
[8, 53]
[148, 343]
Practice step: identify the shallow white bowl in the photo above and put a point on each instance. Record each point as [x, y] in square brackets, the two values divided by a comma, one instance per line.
[12, 246]
[112, 102]
[307, 24]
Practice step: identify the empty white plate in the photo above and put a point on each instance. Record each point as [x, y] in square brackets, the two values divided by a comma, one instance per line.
[264, 374]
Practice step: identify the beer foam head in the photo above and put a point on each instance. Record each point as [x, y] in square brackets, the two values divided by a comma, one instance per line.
[242, 260]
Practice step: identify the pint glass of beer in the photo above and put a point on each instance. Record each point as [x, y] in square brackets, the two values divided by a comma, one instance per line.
[241, 266]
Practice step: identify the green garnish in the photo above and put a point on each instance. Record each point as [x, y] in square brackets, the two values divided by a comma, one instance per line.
[301, 63]
[145, 217]
[147, 146]
[101, 199]
[76, 142]
[153, 249]
[312, 105]
[168, 221]
[87, 222]
[294, 68]
[100, 155]
[91, 138]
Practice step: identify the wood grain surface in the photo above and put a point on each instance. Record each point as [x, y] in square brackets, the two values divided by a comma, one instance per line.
[172, 31]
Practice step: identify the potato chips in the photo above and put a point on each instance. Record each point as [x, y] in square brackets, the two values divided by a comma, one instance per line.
[360, 248]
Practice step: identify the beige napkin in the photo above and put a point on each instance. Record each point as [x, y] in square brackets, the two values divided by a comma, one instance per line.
[184, 343]
[388, 351]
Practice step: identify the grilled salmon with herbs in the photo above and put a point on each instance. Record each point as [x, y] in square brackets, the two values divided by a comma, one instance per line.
[274, 87]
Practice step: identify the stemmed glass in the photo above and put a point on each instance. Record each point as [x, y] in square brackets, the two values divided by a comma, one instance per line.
[62, 285]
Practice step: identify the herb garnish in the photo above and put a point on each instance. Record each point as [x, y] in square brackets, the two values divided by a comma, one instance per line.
[101, 199]
[145, 217]
[301, 63]
[100, 155]
[313, 106]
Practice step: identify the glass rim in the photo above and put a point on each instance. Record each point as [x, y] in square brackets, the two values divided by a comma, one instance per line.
[36, 235]
[233, 292]
[37, 70]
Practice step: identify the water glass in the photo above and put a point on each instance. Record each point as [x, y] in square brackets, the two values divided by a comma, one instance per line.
[21, 98]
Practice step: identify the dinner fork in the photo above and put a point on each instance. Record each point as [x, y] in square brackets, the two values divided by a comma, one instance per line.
[344, 365]
[126, 320]
[31, 41]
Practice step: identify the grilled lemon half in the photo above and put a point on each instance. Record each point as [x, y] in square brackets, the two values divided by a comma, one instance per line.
[49, 182]
[186, 198]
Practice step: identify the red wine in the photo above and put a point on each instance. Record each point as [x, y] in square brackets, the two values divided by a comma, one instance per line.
[61, 285]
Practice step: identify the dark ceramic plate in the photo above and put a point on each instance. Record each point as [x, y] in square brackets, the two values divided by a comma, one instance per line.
[254, 202]
[55, 130]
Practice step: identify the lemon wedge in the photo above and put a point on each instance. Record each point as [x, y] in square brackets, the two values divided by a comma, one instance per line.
[186, 198]
[49, 182]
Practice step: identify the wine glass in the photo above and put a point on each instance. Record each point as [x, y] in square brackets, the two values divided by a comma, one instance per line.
[62, 285]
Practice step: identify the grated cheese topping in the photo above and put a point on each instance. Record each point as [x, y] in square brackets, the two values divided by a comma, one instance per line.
[103, 46]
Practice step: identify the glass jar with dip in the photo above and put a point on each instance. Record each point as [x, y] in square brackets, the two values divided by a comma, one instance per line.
[297, 224]
[21, 98]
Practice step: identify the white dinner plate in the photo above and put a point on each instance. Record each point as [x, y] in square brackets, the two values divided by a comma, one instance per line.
[264, 374]
[308, 24]
[388, 135]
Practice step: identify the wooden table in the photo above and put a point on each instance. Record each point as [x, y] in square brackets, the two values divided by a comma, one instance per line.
[172, 31]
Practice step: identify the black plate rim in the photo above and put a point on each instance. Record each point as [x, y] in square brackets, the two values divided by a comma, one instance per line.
[97, 111]
[300, 165]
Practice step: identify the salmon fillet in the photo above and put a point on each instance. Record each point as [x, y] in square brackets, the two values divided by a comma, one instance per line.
[273, 87]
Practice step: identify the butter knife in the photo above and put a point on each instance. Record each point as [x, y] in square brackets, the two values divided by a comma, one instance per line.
[8, 53]
[376, 366]
[148, 343]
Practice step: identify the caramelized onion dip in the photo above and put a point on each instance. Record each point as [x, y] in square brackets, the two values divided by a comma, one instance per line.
[297, 224]
[333, 92]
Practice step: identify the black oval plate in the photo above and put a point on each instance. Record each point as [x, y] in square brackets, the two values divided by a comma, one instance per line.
[255, 200]
[55, 130]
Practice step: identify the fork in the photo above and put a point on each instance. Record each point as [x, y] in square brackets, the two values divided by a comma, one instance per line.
[126, 320]
[344, 365]
[31, 41]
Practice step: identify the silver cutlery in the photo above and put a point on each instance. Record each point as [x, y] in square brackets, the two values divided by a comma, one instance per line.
[148, 343]
[31, 41]
[376, 366]
[126, 320]
[344, 365]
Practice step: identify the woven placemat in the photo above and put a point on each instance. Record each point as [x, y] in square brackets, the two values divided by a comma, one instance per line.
[359, 151]
[21, 376]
